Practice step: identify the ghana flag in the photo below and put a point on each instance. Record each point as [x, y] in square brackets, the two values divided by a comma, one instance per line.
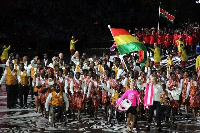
[126, 43]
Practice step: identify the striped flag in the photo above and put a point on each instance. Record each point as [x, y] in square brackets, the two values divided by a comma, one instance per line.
[126, 43]
[166, 15]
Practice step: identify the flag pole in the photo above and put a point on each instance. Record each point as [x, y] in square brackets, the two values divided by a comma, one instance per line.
[159, 17]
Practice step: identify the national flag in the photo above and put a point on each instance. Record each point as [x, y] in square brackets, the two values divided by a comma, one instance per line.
[126, 43]
[166, 15]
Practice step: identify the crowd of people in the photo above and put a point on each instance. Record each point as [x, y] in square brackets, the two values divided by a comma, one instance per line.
[87, 84]
[167, 39]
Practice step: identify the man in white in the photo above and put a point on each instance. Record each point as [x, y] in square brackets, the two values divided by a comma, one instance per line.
[152, 101]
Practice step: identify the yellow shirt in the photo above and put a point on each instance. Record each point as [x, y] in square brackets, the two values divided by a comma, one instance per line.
[156, 57]
[197, 62]
[170, 62]
[5, 53]
[184, 56]
[72, 44]
[179, 45]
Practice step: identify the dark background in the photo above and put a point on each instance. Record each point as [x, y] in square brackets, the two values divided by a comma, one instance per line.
[35, 26]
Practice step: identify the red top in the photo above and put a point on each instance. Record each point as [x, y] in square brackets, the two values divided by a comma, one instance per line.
[175, 38]
[167, 40]
[140, 37]
[189, 40]
[152, 39]
[146, 39]
[160, 39]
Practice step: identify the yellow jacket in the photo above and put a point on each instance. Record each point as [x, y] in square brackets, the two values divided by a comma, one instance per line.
[184, 56]
[170, 62]
[5, 53]
[197, 62]
[179, 45]
[156, 56]
[24, 77]
[57, 100]
[11, 77]
[72, 44]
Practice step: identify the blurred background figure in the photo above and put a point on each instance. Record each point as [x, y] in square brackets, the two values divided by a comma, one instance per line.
[4, 55]
[72, 45]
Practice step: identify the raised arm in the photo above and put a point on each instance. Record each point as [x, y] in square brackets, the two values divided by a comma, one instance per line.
[7, 48]
[108, 89]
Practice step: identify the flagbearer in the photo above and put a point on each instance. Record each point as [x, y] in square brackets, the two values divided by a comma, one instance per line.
[126, 43]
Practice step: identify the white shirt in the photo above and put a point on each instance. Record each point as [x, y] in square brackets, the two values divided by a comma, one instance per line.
[50, 82]
[157, 90]
[148, 71]
[76, 61]
[37, 83]
[66, 84]
[137, 68]
[45, 62]
[140, 86]
[85, 66]
[120, 73]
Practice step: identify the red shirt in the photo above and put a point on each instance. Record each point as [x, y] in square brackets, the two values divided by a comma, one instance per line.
[146, 39]
[195, 41]
[175, 38]
[140, 37]
[152, 39]
[168, 40]
[160, 39]
[189, 40]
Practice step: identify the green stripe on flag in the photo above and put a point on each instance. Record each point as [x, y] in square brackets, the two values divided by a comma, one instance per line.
[131, 47]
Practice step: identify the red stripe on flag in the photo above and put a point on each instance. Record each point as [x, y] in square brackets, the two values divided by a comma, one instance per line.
[117, 32]
[170, 17]
[141, 55]
[163, 11]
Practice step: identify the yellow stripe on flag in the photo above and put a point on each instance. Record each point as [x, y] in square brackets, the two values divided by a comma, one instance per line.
[124, 39]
